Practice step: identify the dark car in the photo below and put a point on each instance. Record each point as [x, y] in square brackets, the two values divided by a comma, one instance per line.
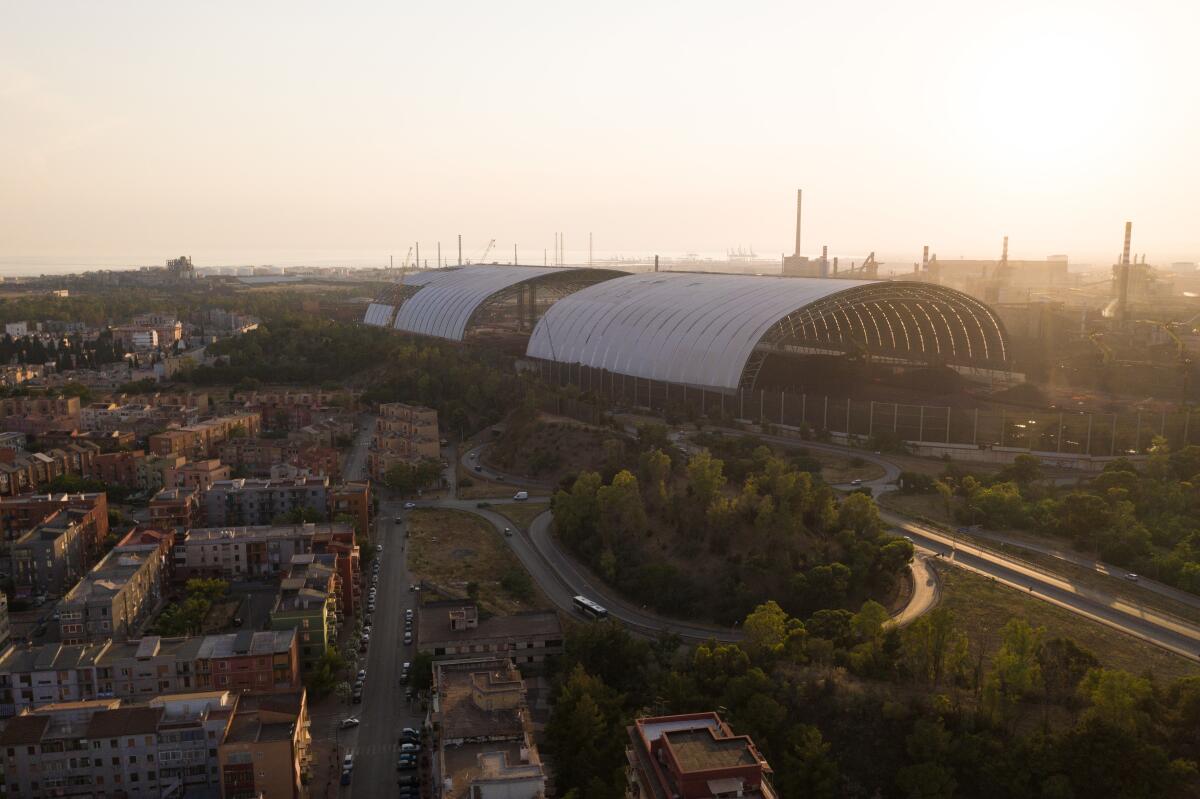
[407, 780]
[346, 777]
[404, 764]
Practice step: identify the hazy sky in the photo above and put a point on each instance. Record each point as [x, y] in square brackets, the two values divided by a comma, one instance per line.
[253, 130]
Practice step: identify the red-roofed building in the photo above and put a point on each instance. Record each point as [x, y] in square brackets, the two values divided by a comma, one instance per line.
[693, 756]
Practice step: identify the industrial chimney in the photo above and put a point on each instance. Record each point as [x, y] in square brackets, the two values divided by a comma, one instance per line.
[1122, 270]
[799, 198]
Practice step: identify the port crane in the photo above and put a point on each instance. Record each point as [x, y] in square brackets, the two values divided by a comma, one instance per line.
[486, 251]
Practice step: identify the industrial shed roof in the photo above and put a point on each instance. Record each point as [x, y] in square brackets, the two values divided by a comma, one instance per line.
[446, 299]
[703, 329]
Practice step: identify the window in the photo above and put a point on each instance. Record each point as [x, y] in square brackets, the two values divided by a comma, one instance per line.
[132, 759]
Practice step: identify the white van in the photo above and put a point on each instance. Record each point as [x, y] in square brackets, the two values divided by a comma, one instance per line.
[521, 496]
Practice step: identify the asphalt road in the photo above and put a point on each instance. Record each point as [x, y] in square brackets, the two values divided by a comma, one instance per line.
[355, 467]
[383, 711]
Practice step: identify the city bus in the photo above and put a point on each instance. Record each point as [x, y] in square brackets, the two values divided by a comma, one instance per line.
[590, 608]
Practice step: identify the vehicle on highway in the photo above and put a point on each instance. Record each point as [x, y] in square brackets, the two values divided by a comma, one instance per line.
[590, 608]
[408, 637]
[478, 468]
[349, 722]
[409, 505]
[398, 520]
[508, 531]
[521, 496]
[1131, 577]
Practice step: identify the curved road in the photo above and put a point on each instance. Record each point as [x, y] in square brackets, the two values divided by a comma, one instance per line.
[1169, 632]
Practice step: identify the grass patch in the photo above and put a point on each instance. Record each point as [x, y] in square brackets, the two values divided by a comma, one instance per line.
[836, 469]
[982, 607]
[523, 514]
[456, 550]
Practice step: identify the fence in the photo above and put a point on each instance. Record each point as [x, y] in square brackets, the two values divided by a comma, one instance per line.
[1065, 432]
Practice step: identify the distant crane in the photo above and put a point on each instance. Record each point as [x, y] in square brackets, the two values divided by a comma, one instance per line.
[406, 258]
[486, 250]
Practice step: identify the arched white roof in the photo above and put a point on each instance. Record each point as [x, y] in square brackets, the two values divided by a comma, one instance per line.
[448, 297]
[701, 329]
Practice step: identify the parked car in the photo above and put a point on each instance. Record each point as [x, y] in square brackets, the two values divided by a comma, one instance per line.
[411, 731]
[408, 639]
[409, 748]
[408, 613]
[348, 761]
[349, 722]
[408, 780]
[409, 505]
[379, 547]
[345, 778]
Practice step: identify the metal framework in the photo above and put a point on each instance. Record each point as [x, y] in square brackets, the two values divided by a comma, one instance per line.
[473, 300]
[715, 331]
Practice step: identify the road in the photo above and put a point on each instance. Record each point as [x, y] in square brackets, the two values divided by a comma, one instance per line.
[355, 467]
[383, 710]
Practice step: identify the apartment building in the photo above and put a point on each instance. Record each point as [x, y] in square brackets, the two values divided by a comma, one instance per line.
[203, 439]
[111, 441]
[176, 509]
[140, 417]
[453, 629]
[167, 328]
[41, 406]
[265, 753]
[33, 676]
[117, 597]
[50, 558]
[484, 736]
[20, 514]
[693, 756]
[308, 602]
[22, 472]
[248, 501]
[239, 553]
[403, 434]
[200, 474]
[353, 500]
[259, 457]
[5, 624]
[171, 746]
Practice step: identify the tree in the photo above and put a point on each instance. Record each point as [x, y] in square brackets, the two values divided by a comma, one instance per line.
[583, 733]
[860, 514]
[622, 514]
[867, 625]
[807, 769]
[706, 478]
[1016, 672]
[323, 677]
[1117, 698]
[654, 470]
[1064, 664]
[766, 630]
[932, 647]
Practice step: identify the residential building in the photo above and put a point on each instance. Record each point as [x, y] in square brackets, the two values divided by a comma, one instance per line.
[20, 514]
[354, 500]
[188, 728]
[176, 509]
[261, 457]
[200, 474]
[240, 553]
[119, 468]
[693, 756]
[41, 406]
[117, 597]
[5, 624]
[452, 628]
[203, 439]
[167, 328]
[403, 434]
[109, 441]
[32, 676]
[171, 746]
[52, 557]
[484, 736]
[22, 472]
[308, 603]
[265, 753]
[14, 440]
[133, 337]
[247, 501]
[152, 471]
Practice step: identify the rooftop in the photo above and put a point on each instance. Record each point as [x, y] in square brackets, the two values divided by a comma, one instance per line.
[700, 750]
[435, 626]
[265, 531]
[461, 716]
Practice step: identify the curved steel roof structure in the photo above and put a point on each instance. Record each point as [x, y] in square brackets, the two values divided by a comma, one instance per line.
[714, 330]
[446, 302]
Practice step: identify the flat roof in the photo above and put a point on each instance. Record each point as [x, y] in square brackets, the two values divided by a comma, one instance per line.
[699, 750]
[435, 626]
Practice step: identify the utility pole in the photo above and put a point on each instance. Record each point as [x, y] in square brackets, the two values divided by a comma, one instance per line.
[515, 261]
[589, 250]
[418, 256]
[439, 261]
[460, 249]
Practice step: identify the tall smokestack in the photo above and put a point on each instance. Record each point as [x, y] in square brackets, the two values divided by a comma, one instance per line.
[1123, 279]
[799, 209]
[925, 257]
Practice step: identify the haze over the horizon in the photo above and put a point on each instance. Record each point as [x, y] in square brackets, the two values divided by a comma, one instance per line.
[134, 129]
